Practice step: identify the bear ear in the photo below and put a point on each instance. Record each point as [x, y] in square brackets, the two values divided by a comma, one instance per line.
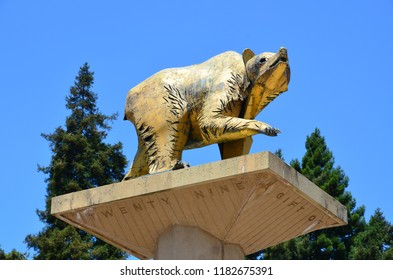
[247, 55]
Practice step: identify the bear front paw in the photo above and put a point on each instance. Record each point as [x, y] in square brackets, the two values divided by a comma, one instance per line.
[271, 131]
[180, 165]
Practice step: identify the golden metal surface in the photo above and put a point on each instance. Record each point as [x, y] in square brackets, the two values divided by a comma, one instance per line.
[208, 103]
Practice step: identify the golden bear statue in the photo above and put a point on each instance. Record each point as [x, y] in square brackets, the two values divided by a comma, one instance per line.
[194, 106]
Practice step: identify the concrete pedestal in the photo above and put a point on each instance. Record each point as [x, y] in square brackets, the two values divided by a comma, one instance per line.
[192, 243]
[221, 210]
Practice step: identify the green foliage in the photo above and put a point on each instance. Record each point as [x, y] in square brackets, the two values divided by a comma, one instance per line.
[279, 154]
[318, 166]
[13, 255]
[376, 242]
[80, 160]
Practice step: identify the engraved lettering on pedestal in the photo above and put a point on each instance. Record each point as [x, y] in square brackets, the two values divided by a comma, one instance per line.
[199, 194]
[221, 206]
[151, 202]
[293, 203]
[138, 207]
[221, 188]
[123, 210]
[266, 188]
[166, 200]
[224, 189]
[240, 186]
[107, 213]
[280, 195]
[89, 213]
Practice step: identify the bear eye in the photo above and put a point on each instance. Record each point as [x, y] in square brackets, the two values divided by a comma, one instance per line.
[262, 60]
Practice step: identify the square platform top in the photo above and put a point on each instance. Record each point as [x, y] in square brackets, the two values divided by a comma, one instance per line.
[255, 201]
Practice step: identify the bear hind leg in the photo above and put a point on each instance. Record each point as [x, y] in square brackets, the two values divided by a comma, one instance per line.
[170, 146]
[140, 165]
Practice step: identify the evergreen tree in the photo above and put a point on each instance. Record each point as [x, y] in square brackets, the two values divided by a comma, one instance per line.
[376, 241]
[80, 160]
[13, 255]
[279, 154]
[333, 243]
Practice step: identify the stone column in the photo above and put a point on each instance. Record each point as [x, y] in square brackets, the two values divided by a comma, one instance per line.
[192, 243]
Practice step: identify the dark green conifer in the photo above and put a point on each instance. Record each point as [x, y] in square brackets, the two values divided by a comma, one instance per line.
[80, 160]
[376, 241]
[335, 243]
[13, 255]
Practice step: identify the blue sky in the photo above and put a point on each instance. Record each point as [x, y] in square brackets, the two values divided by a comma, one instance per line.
[340, 54]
